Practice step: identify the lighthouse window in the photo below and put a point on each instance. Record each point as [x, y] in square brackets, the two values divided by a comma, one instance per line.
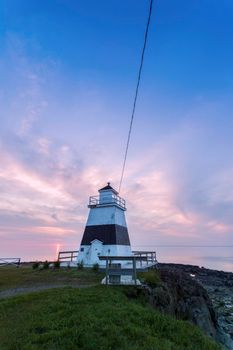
[82, 250]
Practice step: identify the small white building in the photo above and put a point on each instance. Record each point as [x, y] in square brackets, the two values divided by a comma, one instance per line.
[106, 232]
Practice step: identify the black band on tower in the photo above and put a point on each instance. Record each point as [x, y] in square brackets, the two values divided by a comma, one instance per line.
[108, 234]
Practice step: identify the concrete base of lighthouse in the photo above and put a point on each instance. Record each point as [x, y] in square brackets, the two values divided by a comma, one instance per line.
[89, 254]
[124, 280]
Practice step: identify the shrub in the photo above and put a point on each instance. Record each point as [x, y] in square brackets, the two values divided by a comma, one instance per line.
[35, 265]
[80, 265]
[56, 264]
[151, 278]
[45, 265]
[95, 267]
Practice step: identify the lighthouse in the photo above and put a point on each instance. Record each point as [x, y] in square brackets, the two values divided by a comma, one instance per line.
[106, 232]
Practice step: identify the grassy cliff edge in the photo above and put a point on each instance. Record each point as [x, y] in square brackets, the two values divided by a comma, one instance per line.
[88, 318]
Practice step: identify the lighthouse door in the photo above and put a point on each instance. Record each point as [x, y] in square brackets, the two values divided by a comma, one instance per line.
[95, 251]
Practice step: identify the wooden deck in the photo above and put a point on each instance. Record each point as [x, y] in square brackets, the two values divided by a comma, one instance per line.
[123, 269]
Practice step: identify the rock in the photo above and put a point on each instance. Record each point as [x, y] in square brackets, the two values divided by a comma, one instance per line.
[219, 288]
[181, 296]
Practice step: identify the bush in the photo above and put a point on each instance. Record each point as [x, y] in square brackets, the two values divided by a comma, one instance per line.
[45, 265]
[56, 264]
[151, 277]
[95, 267]
[80, 265]
[35, 265]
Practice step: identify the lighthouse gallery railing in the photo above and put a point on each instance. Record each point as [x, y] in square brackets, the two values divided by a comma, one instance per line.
[95, 200]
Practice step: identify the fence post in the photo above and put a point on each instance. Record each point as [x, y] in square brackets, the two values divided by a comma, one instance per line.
[134, 270]
[107, 271]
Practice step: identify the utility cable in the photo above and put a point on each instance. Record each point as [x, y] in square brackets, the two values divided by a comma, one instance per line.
[136, 93]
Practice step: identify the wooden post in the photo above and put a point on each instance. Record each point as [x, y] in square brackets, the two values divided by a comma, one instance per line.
[107, 270]
[134, 270]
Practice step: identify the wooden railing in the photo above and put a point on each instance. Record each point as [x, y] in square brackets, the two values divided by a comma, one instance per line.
[149, 255]
[67, 255]
[9, 261]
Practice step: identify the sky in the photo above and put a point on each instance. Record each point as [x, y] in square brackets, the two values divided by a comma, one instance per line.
[68, 72]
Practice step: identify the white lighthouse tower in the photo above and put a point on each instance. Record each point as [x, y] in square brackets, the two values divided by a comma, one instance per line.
[106, 231]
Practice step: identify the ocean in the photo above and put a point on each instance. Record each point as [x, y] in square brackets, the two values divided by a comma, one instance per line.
[212, 257]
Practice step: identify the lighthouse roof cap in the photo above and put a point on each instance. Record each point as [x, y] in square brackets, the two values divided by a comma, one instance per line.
[108, 187]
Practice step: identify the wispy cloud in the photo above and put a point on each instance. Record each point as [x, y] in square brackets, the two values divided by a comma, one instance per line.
[178, 187]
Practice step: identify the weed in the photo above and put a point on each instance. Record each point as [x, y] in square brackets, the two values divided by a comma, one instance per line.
[45, 265]
[35, 265]
[95, 267]
[80, 265]
[56, 264]
[151, 277]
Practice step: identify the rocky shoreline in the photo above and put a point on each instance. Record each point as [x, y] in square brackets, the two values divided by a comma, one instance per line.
[200, 295]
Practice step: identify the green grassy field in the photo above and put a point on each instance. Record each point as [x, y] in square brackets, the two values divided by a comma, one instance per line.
[100, 318]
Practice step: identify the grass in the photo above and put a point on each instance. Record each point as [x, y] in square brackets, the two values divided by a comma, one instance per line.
[26, 277]
[100, 317]
[150, 277]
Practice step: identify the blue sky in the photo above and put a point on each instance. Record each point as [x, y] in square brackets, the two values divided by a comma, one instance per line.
[68, 73]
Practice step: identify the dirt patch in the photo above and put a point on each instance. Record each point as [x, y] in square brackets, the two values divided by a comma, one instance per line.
[24, 290]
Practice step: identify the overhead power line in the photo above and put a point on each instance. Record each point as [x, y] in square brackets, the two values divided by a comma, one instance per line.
[136, 93]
